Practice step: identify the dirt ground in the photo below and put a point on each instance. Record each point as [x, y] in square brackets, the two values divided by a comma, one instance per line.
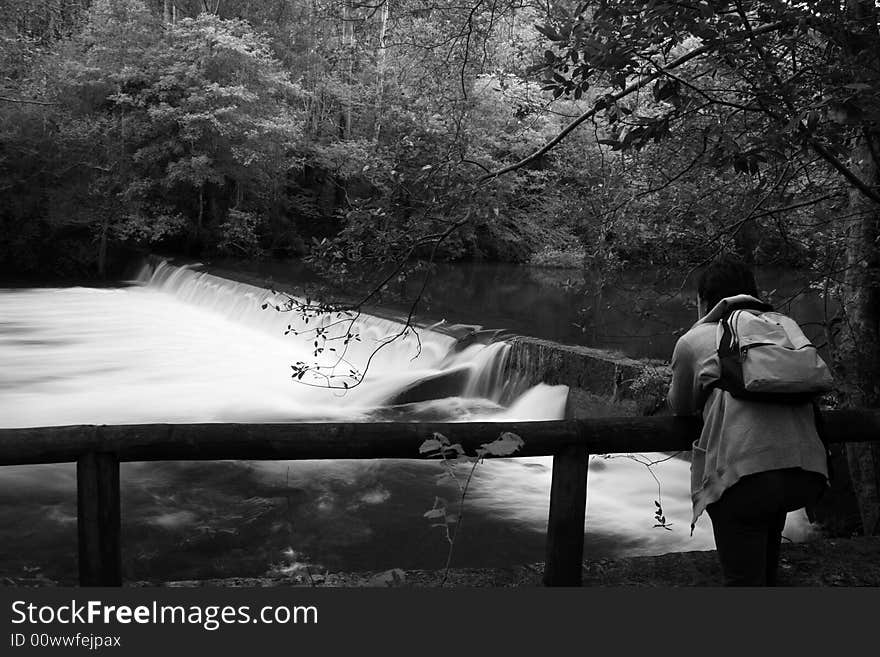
[832, 562]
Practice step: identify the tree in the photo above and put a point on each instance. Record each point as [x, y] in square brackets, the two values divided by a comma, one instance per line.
[188, 132]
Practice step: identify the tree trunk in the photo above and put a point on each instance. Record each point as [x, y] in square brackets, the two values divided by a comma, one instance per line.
[348, 45]
[166, 12]
[102, 247]
[859, 351]
[380, 69]
[313, 99]
[746, 240]
[201, 217]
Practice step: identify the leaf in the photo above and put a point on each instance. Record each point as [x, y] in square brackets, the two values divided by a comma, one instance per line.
[705, 9]
[549, 32]
[430, 445]
[505, 445]
[435, 513]
[457, 448]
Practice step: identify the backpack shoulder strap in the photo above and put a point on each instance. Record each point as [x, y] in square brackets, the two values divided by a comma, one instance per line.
[727, 340]
[727, 344]
[755, 305]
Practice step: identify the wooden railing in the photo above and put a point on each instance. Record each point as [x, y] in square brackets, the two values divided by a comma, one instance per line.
[98, 450]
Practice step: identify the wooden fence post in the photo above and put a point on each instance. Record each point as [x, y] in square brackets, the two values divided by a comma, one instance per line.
[565, 528]
[98, 520]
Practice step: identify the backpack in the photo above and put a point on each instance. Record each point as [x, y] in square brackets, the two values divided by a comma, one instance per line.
[765, 356]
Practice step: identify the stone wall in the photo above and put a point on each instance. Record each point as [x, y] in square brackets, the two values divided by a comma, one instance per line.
[600, 382]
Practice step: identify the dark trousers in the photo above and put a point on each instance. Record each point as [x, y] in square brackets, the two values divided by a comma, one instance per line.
[748, 521]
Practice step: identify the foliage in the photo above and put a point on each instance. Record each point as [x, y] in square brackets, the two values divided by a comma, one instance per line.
[186, 133]
[771, 95]
[355, 134]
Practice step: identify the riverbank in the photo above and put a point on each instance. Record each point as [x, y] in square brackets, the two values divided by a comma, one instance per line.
[820, 563]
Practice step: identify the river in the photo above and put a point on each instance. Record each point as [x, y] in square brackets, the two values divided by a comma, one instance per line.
[176, 345]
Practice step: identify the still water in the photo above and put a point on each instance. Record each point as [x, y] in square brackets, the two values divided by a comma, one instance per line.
[176, 345]
[639, 312]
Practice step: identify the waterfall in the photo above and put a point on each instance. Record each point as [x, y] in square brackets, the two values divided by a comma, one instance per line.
[405, 366]
[244, 304]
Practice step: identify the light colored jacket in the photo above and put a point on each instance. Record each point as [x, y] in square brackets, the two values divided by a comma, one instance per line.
[739, 437]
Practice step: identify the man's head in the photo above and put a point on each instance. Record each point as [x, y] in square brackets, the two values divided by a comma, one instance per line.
[726, 276]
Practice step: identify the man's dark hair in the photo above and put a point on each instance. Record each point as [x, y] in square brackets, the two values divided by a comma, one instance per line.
[726, 276]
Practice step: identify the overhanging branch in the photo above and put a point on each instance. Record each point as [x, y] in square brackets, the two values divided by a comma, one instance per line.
[844, 171]
[629, 89]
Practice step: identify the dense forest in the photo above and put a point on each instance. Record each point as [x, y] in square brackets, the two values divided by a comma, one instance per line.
[358, 134]
[354, 132]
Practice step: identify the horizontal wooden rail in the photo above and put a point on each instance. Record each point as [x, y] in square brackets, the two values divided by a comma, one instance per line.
[98, 450]
[371, 440]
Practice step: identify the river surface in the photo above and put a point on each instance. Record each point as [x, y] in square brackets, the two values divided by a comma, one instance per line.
[175, 345]
[638, 312]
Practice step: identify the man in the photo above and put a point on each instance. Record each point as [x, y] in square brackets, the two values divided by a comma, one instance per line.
[754, 461]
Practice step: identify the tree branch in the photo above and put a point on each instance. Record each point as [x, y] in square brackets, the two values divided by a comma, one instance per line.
[842, 169]
[27, 101]
[613, 98]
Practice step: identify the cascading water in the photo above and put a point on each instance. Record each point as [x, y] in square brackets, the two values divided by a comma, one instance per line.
[243, 304]
[397, 361]
[185, 346]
